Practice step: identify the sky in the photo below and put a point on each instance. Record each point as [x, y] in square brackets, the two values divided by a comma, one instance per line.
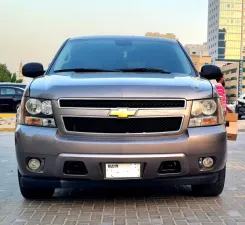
[33, 30]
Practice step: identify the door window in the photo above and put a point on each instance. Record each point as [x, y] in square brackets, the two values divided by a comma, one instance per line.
[7, 91]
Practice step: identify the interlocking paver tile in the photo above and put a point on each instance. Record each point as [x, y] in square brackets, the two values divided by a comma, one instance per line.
[168, 205]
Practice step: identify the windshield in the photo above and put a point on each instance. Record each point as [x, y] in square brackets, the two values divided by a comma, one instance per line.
[117, 54]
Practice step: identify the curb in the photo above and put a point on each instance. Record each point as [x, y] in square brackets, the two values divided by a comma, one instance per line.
[5, 115]
[7, 129]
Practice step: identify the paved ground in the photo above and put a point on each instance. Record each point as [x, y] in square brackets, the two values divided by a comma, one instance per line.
[170, 205]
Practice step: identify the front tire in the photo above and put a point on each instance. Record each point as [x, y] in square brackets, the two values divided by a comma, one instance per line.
[35, 193]
[214, 189]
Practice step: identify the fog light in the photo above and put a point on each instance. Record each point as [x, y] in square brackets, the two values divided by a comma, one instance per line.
[34, 164]
[208, 162]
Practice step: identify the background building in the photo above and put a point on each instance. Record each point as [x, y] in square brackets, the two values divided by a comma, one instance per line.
[20, 75]
[200, 60]
[197, 49]
[156, 34]
[26, 80]
[231, 74]
[226, 27]
[198, 54]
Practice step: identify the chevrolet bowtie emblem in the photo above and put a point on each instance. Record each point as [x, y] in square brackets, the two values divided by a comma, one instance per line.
[122, 112]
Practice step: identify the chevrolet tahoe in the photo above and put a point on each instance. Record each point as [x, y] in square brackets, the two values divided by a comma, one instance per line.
[120, 110]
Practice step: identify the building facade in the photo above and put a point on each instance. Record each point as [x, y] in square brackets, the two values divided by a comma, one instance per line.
[25, 80]
[156, 34]
[198, 54]
[197, 49]
[231, 75]
[20, 75]
[200, 60]
[226, 29]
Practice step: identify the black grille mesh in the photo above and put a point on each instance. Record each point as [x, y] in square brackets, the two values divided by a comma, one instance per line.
[85, 103]
[115, 125]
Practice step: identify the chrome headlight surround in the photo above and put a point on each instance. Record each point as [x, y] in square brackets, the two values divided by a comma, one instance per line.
[206, 112]
[36, 112]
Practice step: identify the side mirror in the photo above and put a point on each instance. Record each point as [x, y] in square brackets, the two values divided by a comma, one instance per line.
[210, 72]
[33, 70]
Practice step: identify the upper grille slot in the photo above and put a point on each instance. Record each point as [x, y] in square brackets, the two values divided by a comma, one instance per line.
[88, 103]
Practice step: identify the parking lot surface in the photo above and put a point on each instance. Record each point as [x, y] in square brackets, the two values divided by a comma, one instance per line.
[163, 205]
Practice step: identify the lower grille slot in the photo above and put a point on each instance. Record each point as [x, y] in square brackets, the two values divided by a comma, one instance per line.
[115, 125]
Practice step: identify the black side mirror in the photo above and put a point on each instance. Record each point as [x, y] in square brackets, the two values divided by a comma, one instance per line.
[33, 70]
[210, 72]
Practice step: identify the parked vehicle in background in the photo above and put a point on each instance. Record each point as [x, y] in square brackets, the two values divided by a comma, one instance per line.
[240, 106]
[10, 96]
[115, 111]
[233, 106]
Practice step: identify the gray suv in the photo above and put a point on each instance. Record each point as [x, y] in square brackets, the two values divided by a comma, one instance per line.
[120, 110]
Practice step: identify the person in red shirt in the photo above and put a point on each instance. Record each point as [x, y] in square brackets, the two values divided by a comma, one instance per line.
[220, 87]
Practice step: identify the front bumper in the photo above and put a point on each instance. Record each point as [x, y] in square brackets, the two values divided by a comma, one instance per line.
[55, 149]
[32, 182]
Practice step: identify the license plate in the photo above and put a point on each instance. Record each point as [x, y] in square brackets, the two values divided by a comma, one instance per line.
[122, 170]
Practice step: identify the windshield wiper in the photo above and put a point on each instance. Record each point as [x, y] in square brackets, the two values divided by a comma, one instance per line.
[154, 70]
[85, 70]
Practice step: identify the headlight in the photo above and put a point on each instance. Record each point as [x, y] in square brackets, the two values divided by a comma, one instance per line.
[36, 112]
[47, 108]
[33, 106]
[206, 113]
[209, 107]
[196, 108]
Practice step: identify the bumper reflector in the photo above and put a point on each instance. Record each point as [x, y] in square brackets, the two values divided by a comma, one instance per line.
[33, 121]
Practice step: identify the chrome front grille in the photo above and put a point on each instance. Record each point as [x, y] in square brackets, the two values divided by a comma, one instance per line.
[93, 116]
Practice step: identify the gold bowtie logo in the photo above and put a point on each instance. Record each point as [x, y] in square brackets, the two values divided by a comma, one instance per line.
[122, 113]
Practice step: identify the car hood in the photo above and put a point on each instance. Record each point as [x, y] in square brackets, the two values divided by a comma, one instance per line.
[120, 85]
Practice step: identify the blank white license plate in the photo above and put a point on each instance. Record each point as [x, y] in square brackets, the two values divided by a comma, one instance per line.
[122, 170]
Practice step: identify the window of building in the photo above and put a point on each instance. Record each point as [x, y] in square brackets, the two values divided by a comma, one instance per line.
[221, 36]
[221, 51]
[221, 44]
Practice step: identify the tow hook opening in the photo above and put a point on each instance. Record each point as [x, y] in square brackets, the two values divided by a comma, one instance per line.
[169, 167]
[75, 168]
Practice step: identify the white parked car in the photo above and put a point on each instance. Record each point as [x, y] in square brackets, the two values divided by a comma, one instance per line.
[232, 107]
